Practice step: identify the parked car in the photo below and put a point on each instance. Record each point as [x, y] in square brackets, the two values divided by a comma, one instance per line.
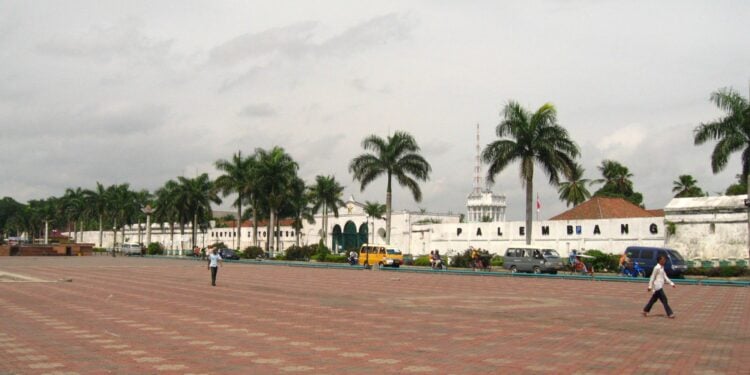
[380, 255]
[646, 257]
[130, 249]
[532, 259]
[229, 254]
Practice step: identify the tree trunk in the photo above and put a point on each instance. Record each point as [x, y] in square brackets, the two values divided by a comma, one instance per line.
[255, 226]
[269, 233]
[529, 214]
[239, 220]
[748, 216]
[101, 229]
[195, 223]
[388, 196]
[324, 237]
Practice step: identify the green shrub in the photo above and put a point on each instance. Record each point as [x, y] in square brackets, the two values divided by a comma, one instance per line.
[463, 260]
[497, 261]
[726, 271]
[422, 260]
[322, 254]
[603, 261]
[295, 252]
[99, 250]
[336, 258]
[219, 245]
[155, 248]
[252, 252]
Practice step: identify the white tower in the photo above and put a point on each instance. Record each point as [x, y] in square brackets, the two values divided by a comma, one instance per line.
[483, 205]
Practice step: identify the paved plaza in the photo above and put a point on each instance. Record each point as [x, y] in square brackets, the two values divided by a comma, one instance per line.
[98, 315]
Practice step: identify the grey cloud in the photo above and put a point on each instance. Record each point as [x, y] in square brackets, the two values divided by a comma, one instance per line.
[105, 44]
[289, 40]
[258, 110]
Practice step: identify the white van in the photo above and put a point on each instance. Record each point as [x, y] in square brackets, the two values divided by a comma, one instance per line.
[130, 249]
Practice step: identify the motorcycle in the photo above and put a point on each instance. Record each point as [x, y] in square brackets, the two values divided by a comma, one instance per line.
[352, 260]
[633, 271]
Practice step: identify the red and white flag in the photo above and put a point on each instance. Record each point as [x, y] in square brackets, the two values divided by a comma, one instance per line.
[538, 203]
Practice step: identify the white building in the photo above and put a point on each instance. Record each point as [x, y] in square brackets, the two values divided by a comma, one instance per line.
[708, 227]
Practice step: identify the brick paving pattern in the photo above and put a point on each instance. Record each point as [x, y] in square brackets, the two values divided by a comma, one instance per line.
[161, 316]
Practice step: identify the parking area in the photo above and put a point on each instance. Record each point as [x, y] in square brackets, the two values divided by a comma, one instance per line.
[94, 315]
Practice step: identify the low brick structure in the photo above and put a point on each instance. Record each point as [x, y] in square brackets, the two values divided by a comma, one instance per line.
[71, 249]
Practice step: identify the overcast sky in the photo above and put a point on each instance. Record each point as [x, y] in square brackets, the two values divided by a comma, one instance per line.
[145, 91]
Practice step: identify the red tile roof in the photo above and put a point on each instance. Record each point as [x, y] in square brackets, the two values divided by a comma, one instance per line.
[606, 208]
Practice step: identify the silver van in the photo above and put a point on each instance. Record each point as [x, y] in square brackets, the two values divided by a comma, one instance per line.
[130, 249]
[532, 259]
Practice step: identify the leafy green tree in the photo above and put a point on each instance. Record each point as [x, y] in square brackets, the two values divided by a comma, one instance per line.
[9, 208]
[298, 205]
[235, 180]
[531, 138]
[72, 207]
[326, 194]
[166, 206]
[193, 198]
[374, 210]
[732, 131]
[275, 172]
[739, 188]
[96, 203]
[574, 191]
[617, 183]
[686, 186]
[396, 156]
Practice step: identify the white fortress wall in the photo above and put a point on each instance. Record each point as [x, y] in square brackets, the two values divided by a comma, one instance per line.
[708, 227]
[608, 235]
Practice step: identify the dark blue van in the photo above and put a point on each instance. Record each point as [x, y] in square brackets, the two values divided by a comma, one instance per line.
[646, 257]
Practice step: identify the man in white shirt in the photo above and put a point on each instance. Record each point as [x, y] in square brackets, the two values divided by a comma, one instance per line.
[214, 259]
[656, 283]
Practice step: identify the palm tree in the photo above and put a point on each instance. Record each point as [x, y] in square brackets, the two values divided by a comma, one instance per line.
[731, 131]
[396, 156]
[616, 178]
[236, 177]
[72, 207]
[297, 205]
[617, 182]
[532, 138]
[326, 194]
[574, 191]
[374, 210]
[96, 202]
[275, 170]
[193, 198]
[166, 207]
[686, 186]
[122, 207]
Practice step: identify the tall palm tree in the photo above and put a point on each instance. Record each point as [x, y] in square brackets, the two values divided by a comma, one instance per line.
[122, 207]
[166, 207]
[574, 191]
[396, 156]
[96, 203]
[326, 194]
[731, 131]
[236, 178]
[617, 178]
[686, 186]
[73, 205]
[275, 170]
[298, 203]
[374, 210]
[194, 197]
[531, 138]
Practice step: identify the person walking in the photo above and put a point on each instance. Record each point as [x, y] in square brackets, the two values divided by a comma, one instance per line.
[214, 260]
[656, 283]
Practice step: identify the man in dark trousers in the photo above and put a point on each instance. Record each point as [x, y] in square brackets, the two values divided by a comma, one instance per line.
[656, 283]
[214, 261]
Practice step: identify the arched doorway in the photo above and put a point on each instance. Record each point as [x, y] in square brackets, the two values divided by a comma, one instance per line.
[351, 238]
[337, 239]
[363, 233]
